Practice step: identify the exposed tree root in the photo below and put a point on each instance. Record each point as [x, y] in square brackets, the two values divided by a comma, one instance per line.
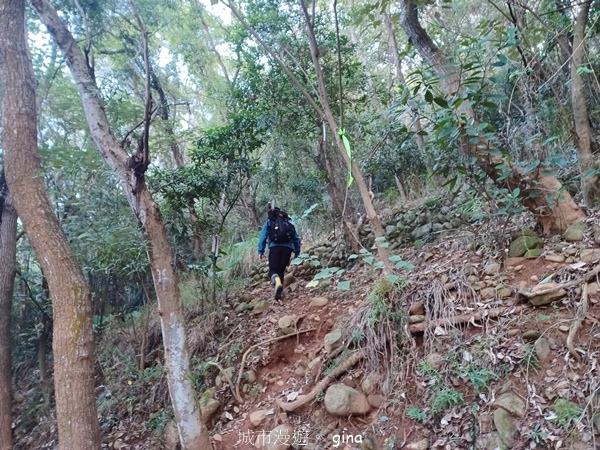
[322, 385]
[464, 318]
[581, 280]
[236, 391]
[228, 379]
[577, 320]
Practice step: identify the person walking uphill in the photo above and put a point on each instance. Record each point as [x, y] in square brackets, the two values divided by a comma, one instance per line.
[283, 239]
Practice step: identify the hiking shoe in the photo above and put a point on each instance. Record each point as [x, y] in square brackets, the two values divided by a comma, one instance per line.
[278, 287]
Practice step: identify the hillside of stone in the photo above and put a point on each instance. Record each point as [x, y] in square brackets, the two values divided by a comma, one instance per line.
[486, 337]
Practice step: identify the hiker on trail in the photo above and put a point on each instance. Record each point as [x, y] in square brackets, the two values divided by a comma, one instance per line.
[283, 239]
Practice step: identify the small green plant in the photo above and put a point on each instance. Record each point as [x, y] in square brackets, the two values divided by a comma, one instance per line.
[426, 370]
[432, 202]
[530, 360]
[537, 435]
[416, 413]
[254, 390]
[418, 243]
[381, 308]
[319, 397]
[158, 421]
[566, 412]
[446, 398]
[357, 336]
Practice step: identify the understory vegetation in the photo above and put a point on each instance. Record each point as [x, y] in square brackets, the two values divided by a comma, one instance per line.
[418, 147]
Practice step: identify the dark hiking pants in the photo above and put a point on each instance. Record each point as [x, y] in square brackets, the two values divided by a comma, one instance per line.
[279, 258]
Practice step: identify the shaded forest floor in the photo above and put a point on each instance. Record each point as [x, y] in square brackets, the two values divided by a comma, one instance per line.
[452, 356]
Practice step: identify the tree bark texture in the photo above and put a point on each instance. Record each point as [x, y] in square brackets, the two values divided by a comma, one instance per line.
[544, 196]
[360, 181]
[73, 343]
[590, 185]
[8, 252]
[415, 121]
[192, 431]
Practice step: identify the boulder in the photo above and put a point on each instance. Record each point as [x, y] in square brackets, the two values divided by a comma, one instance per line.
[286, 324]
[553, 257]
[319, 301]
[333, 340]
[208, 405]
[505, 426]
[491, 269]
[542, 348]
[590, 255]
[533, 253]
[545, 299]
[421, 231]
[435, 360]
[288, 280]
[260, 307]
[531, 335]
[423, 444]
[343, 401]
[575, 232]
[511, 403]
[521, 245]
[256, 417]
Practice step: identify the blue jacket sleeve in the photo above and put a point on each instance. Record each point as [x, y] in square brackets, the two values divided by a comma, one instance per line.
[297, 244]
[262, 241]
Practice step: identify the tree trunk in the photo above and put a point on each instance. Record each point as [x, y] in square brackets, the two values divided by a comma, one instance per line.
[73, 340]
[192, 431]
[415, 120]
[8, 252]
[360, 181]
[583, 133]
[544, 196]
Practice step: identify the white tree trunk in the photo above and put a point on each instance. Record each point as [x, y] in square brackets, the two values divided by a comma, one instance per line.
[192, 431]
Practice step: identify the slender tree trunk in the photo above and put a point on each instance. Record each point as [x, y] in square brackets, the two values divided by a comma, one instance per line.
[8, 252]
[583, 133]
[553, 207]
[73, 340]
[192, 431]
[415, 119]
[360, 181]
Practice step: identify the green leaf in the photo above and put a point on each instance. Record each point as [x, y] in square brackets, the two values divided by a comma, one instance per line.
[343, 286]
[392, 277]
[583, 69]
[441, 101]
[395, 258]
[428, 96]
[369, 260]
[313, 283]
[404, 265]
[491, 105]
[380, 239]
[384, 244]
[378, 265]
[351, 257]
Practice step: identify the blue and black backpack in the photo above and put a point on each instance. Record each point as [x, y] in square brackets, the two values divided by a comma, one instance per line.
[280, 230]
